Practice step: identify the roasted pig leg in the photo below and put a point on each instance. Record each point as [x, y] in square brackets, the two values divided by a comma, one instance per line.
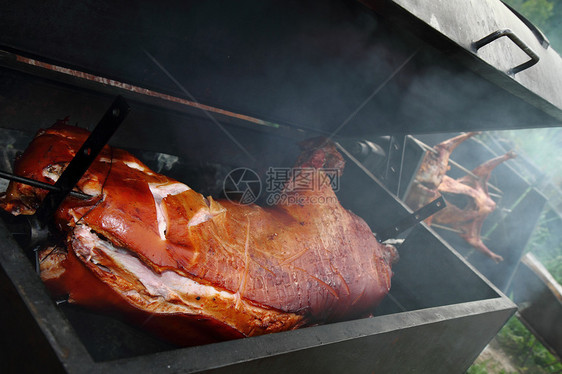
[195, 269]
[478, 204]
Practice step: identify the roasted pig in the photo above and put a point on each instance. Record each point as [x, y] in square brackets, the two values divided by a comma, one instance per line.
[469, 216]
[195, 269]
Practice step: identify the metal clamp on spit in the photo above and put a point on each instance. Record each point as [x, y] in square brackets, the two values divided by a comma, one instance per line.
[411, 220]
[31, 230]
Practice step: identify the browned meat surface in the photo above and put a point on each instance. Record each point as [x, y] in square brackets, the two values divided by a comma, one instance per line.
[468, 219]
[197, 269]
[433, 168]
[431, 182]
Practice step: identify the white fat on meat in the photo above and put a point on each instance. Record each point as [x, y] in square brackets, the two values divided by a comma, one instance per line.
[137, 166]
[202, 215]
[159, 192]
[168, 285]
[90, 186]
[53, 171]
[130, 164]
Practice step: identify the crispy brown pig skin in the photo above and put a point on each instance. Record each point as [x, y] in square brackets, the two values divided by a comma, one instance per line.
[155, 249]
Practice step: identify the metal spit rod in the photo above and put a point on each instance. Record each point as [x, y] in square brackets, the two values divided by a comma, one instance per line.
[39, 184]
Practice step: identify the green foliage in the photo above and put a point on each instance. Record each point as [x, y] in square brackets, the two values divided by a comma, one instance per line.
[479, 368]
[513, 336]
[530, 354]
[524, 351]
[545, 14]
[541, 146]
[484, 367]
[539, 11]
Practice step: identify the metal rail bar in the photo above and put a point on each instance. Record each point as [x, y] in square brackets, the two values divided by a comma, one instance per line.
[39, 184]
[437, 226]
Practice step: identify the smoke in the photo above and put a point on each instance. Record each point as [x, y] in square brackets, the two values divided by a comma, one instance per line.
[541, 148]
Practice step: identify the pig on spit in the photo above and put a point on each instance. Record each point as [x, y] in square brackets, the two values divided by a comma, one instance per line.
[193, 269]
[432, 182]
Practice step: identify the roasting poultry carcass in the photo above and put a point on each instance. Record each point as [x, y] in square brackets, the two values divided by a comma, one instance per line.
[431, 172]
[468, 219]
[432, 182]
[195, 269]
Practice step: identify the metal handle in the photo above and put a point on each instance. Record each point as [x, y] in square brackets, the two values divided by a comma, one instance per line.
[412, 219]
[534, 58]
